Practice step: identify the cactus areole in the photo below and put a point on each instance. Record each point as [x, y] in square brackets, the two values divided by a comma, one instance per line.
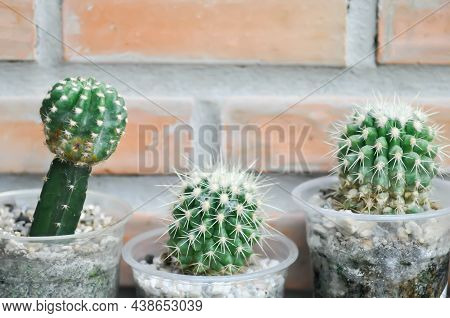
[387, 156]
[217, 220]
[84, 120]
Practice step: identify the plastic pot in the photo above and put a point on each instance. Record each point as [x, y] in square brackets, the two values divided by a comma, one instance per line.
[79, 265]
[360, 255]
[153, 282]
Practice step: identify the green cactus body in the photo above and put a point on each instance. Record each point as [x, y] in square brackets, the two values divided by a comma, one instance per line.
[83, 122]
[387, 157]
[217, 221]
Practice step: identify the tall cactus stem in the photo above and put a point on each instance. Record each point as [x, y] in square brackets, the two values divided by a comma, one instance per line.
[61, 200]
[84, 120]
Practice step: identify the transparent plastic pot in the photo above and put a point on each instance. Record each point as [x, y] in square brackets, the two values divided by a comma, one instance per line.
[79, 265]
[151, 282]
[360, 255]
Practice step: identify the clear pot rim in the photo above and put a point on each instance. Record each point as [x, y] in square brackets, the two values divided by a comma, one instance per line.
[135, 265]
[62, 238]
[316, 184]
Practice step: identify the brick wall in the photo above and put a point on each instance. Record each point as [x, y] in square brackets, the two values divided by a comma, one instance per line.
[219, 62]
[292, 67]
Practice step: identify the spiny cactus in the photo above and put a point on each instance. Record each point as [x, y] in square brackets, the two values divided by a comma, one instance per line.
[83, 122]
[217, 220]
[388, 156]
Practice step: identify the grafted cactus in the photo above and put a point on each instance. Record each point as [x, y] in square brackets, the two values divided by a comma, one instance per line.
[83, 122]
[217, 220]
[388, 156]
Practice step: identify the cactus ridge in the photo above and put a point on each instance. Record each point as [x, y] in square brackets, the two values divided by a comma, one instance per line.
[84, 120]
[388, 155]
[217, 219]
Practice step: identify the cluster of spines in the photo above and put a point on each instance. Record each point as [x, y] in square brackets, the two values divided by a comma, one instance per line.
[387, 159]
[84, 120]
[217, 220]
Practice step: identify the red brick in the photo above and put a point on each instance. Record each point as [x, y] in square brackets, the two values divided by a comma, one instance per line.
[17, 34]
[315, 116]
[428, 42]
[24, 151]
[272, 31]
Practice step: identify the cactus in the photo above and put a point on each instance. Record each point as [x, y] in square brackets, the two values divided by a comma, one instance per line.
[217, 219]
[83, 122]
[388, 156]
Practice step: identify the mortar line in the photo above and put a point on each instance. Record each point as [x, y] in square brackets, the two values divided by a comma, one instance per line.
[361, 30]
[48, 14]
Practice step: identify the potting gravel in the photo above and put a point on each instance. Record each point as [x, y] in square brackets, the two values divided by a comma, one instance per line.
[16, 220]
[354, 258]
[152, 285]
[81, 267]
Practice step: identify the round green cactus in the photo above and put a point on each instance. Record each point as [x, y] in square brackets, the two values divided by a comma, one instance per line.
[83, 122]
[217, 220]
[387, 156]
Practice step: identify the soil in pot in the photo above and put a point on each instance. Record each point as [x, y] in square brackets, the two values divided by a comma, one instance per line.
[269, 286]
[375, 256]
[81, 266]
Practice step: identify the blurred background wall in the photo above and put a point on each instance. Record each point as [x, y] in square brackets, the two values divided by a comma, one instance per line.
[295, 64]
